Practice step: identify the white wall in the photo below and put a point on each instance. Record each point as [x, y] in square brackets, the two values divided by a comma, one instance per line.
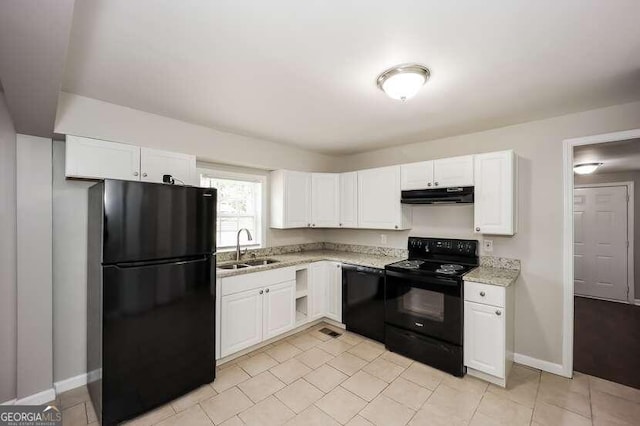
[69, 270]
[631, 176]
[539, 241]
[82, 116]
[8, 283]
[34, 270]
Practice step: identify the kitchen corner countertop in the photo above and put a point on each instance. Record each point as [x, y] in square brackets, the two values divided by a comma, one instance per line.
[495, 276]
[302, 257]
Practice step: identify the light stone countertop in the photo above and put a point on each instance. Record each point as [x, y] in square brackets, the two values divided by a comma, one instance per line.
[495, 276]
[299, 258]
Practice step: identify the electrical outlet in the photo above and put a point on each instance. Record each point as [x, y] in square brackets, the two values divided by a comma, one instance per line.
[487, 245]
[383, 238]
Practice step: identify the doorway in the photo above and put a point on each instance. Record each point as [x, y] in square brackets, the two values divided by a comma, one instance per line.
[603, 212]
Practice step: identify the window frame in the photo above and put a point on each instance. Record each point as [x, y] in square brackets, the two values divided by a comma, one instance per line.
[262, 220]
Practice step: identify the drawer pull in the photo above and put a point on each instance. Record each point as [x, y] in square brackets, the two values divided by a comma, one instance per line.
[498, 313]
[482, 293]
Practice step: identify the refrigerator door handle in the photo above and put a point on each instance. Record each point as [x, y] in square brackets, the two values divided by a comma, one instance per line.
[180, 261]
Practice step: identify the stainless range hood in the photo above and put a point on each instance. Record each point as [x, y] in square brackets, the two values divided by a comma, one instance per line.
[454, 195]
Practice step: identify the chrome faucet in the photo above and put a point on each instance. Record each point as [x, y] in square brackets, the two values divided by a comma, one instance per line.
[249, 237]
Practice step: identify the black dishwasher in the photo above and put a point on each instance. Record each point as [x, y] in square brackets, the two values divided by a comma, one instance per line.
[363, 301]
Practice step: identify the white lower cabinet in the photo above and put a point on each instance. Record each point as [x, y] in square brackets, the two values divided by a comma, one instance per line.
[241, 318]
[488, 331]
[279, 309]
[255, 307]
[325, 290]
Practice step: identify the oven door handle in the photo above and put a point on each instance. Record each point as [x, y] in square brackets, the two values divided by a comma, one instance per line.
[427, 280]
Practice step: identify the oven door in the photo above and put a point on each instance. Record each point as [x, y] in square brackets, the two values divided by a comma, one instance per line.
[431, 306]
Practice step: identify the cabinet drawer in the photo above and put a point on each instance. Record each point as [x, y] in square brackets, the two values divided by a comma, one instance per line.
[254, 280]
[484, 293]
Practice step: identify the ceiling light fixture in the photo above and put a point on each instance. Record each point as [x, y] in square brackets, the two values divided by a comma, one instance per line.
[586, 168]
[403, 82]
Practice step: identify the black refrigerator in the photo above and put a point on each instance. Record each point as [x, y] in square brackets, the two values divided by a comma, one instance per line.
[150, 295]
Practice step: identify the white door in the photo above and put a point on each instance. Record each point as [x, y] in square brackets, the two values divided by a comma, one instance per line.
[317, 297]
[600, 242]
[96, 159]
[155, 163]
[484, 338]
[279, 309]
[334, 291]
[241, 321]
[348, 200]
[416, 175]
[495, 203]
[454, 171]
[297, 202]
[325, 200]
[379, 198]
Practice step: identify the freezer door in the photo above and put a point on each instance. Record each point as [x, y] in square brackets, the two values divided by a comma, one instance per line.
[146, 221]
[158, 334]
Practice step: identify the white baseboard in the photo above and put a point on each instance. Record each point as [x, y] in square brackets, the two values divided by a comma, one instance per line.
[547, 366]
[70, 383]
[38, 398]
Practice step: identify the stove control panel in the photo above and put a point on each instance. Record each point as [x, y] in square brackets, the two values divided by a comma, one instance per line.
[425, 247]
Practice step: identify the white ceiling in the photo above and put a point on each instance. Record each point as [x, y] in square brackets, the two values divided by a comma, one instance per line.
[623, 156]
[303, 72]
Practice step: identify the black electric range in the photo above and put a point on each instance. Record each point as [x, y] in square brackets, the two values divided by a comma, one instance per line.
[424, 301]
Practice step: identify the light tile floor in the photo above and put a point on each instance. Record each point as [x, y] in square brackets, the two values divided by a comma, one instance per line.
[313, 379]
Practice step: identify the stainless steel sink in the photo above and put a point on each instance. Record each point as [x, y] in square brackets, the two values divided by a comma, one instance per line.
[260, 262]
[248, 264]
[234, 266]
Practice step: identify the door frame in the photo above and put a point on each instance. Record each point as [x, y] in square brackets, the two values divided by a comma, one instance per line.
[567, 239]
[630, 238]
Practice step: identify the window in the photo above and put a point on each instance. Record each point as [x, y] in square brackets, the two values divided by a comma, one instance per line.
[240, 205]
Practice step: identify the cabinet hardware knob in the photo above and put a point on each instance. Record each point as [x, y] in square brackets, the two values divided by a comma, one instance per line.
[308, 224]
[429, 184]
[498, 313]
[135, 173]
[144, 175]
[436, 183]
[396, 226]
[477, 229]
[313, 224]
[337, 266]
[340, 224]
[261, 291]
[266, 291]
[482, 293]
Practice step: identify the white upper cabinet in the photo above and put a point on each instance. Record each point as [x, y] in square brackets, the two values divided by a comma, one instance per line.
[455, 171]
[495, 209]
[348, 200]
[442, 173]
[325, 200]
[379, 204]
[417, 175]
[290, 199]
[95, 159]
[155, 163]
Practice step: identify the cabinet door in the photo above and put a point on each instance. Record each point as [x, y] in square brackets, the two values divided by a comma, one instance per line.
[241, 321]
[484, 338]
[296, 199]
[416, 175]
[96, 159]
[155, 163]
[455, 171]
[334, 291]
[279, 309]
[325, 200]
[348, 200]
[494, 209]
[317, 294]
[379, 198]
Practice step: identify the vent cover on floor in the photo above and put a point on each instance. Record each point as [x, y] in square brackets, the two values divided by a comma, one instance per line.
[329, 332]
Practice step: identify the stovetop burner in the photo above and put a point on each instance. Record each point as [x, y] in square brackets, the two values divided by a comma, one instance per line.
[409, 264]
[428, 266]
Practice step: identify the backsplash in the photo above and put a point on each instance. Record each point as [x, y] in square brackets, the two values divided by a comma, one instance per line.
[500, 262]
[294, 248]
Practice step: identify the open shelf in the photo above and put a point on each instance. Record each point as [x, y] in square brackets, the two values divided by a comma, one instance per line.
[301, 293]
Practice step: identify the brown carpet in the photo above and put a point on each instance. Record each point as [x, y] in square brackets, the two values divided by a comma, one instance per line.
[606, 341]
